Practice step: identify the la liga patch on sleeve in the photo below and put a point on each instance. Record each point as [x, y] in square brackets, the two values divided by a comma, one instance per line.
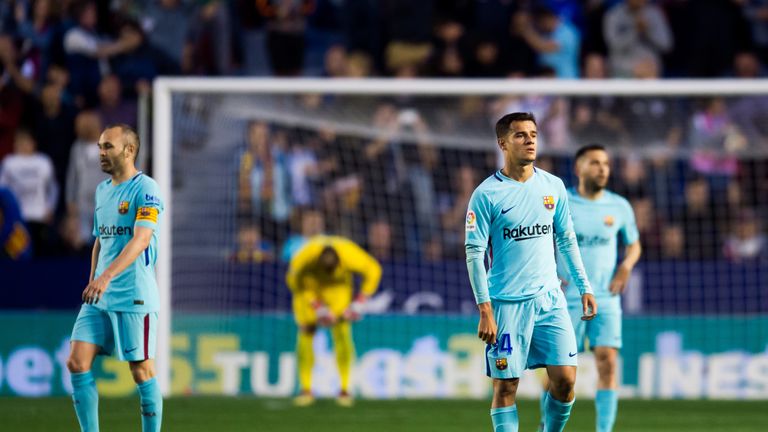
[146, 214]
[471, 221]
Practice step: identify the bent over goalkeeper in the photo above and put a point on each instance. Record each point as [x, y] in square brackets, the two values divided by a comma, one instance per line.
[320, 278]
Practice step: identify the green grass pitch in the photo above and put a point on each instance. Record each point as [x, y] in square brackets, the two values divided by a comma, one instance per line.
[210, 414]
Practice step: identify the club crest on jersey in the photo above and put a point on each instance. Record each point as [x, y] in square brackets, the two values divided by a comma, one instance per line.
[471, 221]
[608, 221]
[122, 208]
[549, 202]
[501, 364]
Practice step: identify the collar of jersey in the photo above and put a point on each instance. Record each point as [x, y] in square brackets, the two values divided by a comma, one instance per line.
[499, 175]
[109, 180]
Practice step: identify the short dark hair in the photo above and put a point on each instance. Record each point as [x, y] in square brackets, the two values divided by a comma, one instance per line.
[502, 126]
[129, 135]
[588, 148]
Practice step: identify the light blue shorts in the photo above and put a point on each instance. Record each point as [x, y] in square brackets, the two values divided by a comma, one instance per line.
[132, 336]
[604, 330]
[531, 334]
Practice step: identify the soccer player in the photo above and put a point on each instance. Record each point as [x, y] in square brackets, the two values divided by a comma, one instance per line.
[518, 214]
[119, 314]
[600, 217]
[320, 278]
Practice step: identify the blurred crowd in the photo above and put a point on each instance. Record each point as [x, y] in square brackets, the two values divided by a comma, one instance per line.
[404, 197]
[69, 67]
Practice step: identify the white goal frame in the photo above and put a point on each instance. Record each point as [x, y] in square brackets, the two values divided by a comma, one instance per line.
[162, 136]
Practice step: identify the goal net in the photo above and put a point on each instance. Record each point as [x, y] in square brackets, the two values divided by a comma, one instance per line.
[251, 168]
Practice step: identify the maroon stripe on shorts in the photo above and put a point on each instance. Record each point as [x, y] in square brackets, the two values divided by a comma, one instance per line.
[146, 336]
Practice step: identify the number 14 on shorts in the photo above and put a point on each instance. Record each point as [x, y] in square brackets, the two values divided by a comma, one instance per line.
[504, 343]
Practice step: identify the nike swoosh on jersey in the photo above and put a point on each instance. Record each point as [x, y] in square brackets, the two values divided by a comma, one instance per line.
[130, 350]
[504, 211]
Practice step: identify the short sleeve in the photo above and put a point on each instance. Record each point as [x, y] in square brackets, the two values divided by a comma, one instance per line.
[148, 205]
[478, 220]
[629, 232]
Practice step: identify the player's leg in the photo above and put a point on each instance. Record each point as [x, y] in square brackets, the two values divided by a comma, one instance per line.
[345, 352]
[338, 298]
[553, 345]
[560, 397]
[580, 330]
[84, 394]
[306, 320]
[135, 342]
[143, 373]
[503, 408]
[506, 360]
[91, 335]
[606, 398]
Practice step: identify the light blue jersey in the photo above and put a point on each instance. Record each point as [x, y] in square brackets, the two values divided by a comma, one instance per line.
[599, 224]
[519, 223]
[119, 210]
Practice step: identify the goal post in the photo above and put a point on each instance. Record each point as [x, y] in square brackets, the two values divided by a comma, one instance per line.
[215, 105]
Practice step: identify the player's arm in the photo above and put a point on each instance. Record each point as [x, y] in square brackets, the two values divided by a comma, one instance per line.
[477, 228]
[565, 238]
[129, 254]
[359, 261]
[297, 268]
[94, 258]
[631, 237]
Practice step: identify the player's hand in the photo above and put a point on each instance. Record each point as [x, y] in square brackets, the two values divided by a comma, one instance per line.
[324, 316]
[95, 289]
[355, 310]
[563, 283]
[589, 305]
[487, 329]
[619, 281]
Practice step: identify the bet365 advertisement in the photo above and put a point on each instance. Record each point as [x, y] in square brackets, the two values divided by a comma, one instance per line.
[398, 356]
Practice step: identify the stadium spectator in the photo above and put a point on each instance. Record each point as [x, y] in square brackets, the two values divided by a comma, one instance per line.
[11, 108]
[15, 243]
[454, 212]
[699, 219]
[555, 40]
[88, 54]
[30, 176]
[138, 66]
[21, 71]
[54, 128]
[652, 121]
[635, 31]
[264, 186]
[486, 60]
[254, 46]
[407, 27]
[335, 62]
[673, 242]
[312, 223]
[286, 24]
[166, 24]
[451, 50]
[650, 227]
[594, 119]
[251, 246]
[113, 108]
[756, 12]
[715, 140]
[70, 241]
[83, 175]
[208, 46]
[379, 240]
[303, 167]
[36, 33]
[745, 240]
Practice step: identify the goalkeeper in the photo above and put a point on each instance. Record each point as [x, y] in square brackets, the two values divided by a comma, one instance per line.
[320, 278]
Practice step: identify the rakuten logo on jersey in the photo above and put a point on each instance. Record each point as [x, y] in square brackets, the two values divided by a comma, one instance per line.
[114, 230]
[521, 233]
